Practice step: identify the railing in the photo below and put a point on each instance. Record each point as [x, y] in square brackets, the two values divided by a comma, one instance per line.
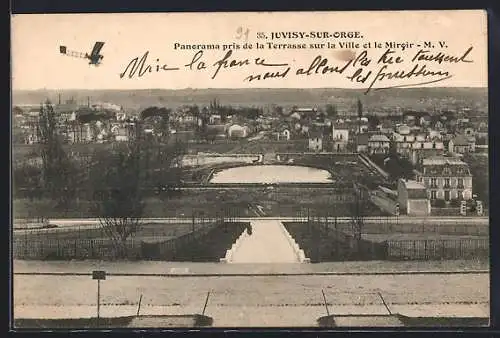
[391, 225]
[87, 241]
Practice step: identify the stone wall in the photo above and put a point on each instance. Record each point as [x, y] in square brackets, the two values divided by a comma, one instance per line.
[211, 159]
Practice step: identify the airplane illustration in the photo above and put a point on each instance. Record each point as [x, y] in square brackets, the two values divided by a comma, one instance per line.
[94, 57]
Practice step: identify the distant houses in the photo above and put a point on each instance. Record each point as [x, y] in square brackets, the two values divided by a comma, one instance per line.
[372, 143]
[414, 136]
[315, 140]
[340, 138]
[425, 149]
[237, 131]
[378, 144]
[462, 144]
[283, 134]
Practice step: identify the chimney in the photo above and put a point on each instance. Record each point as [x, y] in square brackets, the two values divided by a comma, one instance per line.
[59, 101]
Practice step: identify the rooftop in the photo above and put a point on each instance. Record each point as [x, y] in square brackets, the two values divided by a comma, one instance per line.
[445, 167]
[411, 184]
[379, 138]
[442, 160]
[415, 189]
[315, 133]
[303, 110]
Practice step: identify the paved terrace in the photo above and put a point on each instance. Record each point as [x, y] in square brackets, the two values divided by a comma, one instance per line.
[254, 300]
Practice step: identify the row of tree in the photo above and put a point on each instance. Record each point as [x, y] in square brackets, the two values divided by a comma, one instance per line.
[115, 177]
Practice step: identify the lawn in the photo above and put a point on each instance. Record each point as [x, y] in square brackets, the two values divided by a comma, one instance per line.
[209, 203]
[159, 231]
[277, 201]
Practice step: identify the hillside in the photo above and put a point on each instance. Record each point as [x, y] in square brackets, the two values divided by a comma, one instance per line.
[345, 99]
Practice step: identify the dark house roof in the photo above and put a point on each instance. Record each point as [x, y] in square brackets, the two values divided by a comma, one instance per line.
[440, 171]
[363, 139]
[86, 115]
[442, 167]
[315, 133]
[154, 111]
[65, 108]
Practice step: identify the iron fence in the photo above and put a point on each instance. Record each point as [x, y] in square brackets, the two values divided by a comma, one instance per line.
[449, 249]
[382, 224]
[86, 239]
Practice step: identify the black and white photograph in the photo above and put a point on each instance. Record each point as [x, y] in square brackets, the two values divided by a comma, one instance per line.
[250, 170]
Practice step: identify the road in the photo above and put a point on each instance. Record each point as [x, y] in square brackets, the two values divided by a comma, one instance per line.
[257, 137]
[76, 223]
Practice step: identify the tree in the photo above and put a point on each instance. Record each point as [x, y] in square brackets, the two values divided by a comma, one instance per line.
[16, 110]
[118, 200]
[478, 166]
[210, 134]
[373, 122]
[201, 126]
[358, 210]
[320, 117]
[393, 151]
[359, 108]
[165, 162]
[58, 171]
[331, 110]
[277, 110]
[26, 177]
[159, 118]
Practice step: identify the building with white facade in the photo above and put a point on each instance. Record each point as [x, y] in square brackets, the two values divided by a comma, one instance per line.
[445, 178]
[378, 144]
[340, 138]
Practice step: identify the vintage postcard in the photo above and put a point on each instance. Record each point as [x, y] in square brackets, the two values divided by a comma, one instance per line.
[274, 169]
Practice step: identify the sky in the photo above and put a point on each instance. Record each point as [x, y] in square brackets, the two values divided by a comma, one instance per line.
[38, 64]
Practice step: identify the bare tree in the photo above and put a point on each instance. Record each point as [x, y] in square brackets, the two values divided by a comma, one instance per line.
[117, 181]
[358, 211]
[58, 172]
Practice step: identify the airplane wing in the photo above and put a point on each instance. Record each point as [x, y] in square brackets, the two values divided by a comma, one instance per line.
[97, 49]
